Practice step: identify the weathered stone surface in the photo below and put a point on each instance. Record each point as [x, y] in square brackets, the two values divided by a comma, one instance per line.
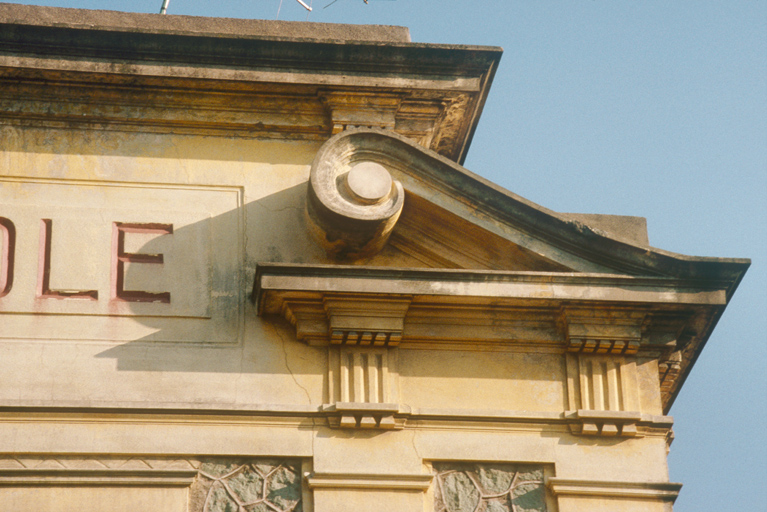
[219, 500]
[494, 480]
[458, 492]
[284, 488]
[247, 484]
[496, 505]
[528, 497]
[219, 469]
[259, 507]
[488, 488]
[254, 485]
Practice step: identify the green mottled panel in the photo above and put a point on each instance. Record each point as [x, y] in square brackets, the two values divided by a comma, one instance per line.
[493, 479]
[247, 485]
[460, 493]
[489, 487]
[218, 469]
[284, 488]
[259, 507]
[527, 474]
[497, 505]
[265, 466]
[220, 501]
[529, 498]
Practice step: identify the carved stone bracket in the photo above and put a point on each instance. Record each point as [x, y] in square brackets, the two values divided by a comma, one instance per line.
[416, 118]
[603, 392]
[361, 110]
[365, 321]
[364, 415]
[605, 423]
[594, 331]
[348, 319]
[670, 336]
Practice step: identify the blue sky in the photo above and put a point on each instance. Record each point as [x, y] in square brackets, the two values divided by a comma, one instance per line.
[653, 108]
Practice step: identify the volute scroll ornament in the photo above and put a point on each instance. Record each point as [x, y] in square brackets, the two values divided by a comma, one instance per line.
[353, 202]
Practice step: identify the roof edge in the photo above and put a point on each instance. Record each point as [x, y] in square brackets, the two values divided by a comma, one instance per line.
[119, 21]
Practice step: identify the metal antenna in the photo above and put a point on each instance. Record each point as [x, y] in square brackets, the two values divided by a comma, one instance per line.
[334, 1]
[305, 6]
[164, 7]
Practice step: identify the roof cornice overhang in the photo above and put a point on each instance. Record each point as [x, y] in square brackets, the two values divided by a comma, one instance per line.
[431, 93]
[668, 319]
[484, 286]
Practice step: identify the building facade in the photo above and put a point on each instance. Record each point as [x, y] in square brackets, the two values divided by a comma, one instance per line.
[243, 269]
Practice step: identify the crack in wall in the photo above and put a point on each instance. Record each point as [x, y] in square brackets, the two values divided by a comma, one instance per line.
[415, 448]
[287, 365]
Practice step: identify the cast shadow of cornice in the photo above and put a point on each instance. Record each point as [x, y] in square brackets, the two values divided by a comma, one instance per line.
[225, 336]
[270, 229]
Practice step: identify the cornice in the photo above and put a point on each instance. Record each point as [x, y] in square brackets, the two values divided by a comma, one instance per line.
[576, 313]
[134, 76]
[664, 491]
[366, 481]
[542, 287]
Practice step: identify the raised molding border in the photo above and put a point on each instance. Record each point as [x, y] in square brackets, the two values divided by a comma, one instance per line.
[57, 471]
[96, 478]
[666, 491]
[116, 413]
[401, 482]
[101, 316]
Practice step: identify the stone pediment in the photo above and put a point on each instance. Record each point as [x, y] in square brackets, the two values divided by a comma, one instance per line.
[438, 212]
[497, 272]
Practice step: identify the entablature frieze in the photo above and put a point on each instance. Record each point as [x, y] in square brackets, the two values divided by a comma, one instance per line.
[570, 312]
[601, 322]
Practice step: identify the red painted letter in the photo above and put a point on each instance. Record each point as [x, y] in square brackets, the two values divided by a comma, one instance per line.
[8, 235]
[120, 257]
[44, 270]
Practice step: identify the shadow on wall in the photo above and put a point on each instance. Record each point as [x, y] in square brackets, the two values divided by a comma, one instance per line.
[195, 309]
[188, 289]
